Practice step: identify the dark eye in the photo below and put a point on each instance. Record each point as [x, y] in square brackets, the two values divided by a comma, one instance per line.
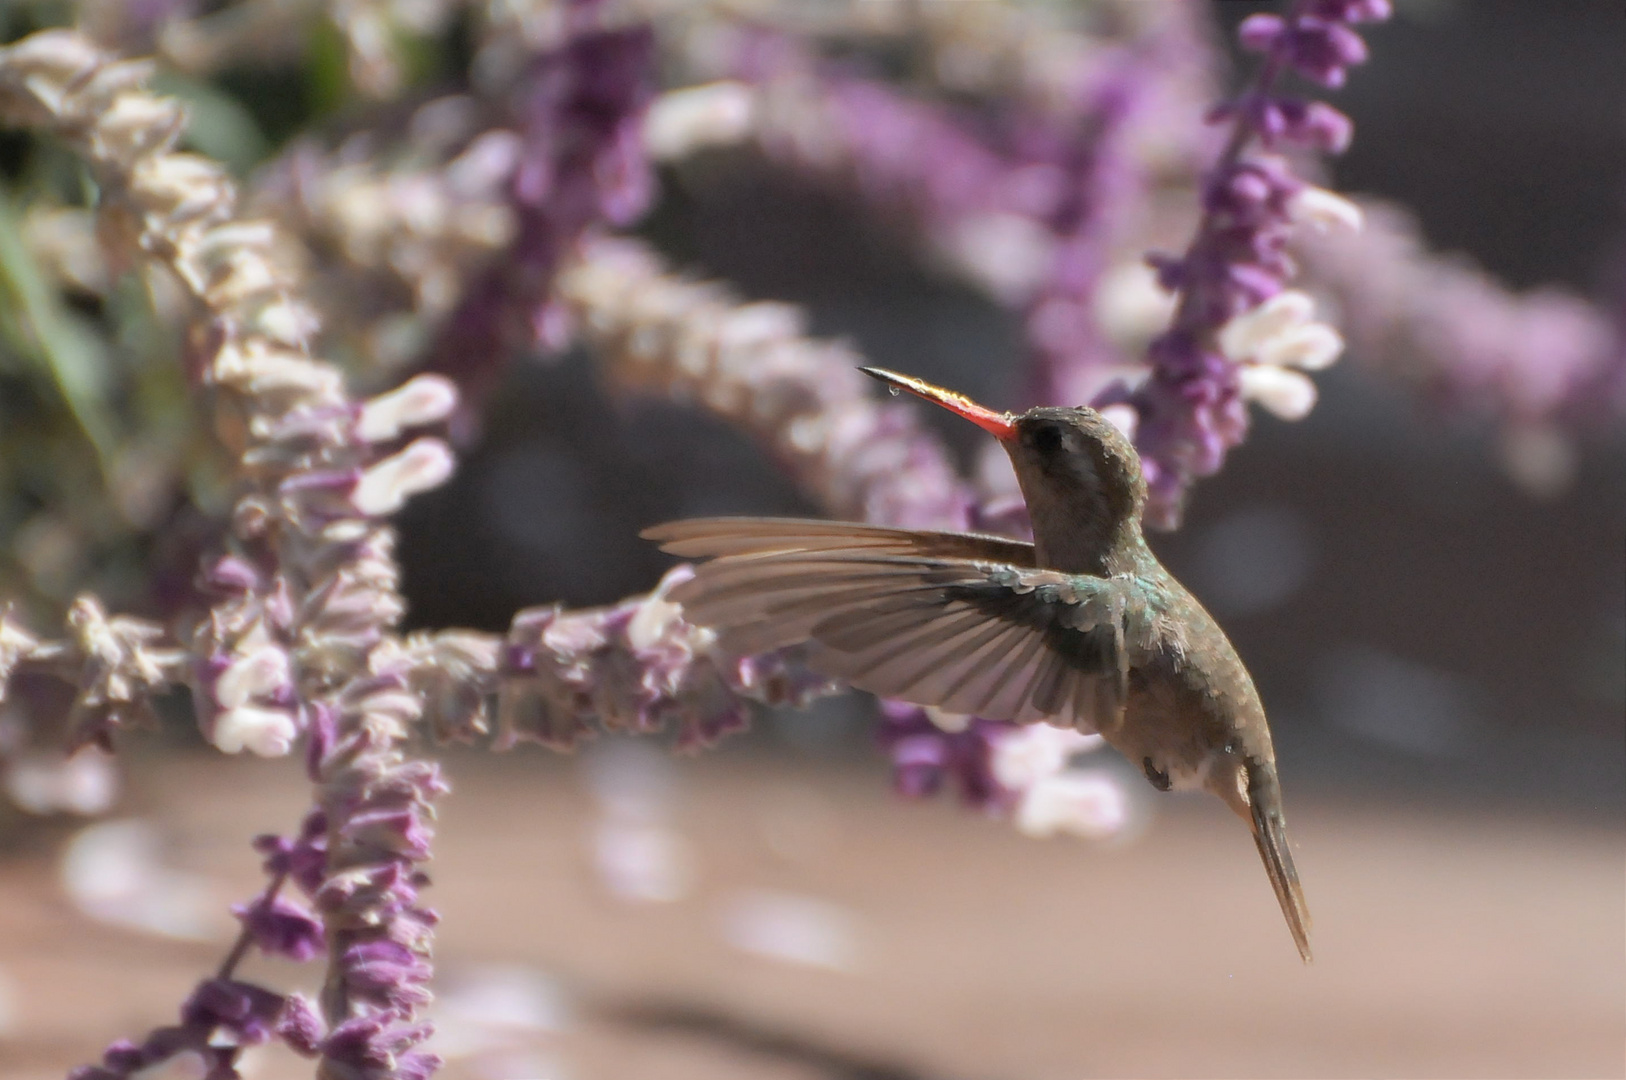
[1047, 439]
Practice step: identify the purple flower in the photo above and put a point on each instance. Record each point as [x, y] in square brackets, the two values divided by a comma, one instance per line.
[1294, 121]
[219, 1018]
[308, 551]
[386, 975]
[300, 1026]
[926, 756]
[376, 1047]
[1320, 49]
[280, 927]
[302, 858]
[246, 1012]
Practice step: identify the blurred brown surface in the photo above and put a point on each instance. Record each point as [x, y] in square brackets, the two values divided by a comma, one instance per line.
[1447, 943]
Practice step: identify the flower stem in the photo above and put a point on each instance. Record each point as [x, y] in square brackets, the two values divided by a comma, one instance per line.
[245, 936]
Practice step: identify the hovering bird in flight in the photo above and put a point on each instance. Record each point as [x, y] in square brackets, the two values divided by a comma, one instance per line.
[1082, 628]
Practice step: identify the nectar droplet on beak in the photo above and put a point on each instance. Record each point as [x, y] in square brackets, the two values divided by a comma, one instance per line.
[999, 425]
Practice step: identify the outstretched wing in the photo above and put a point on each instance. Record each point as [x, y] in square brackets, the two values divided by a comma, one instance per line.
[966, 623]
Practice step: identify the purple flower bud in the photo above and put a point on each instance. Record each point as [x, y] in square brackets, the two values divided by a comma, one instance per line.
[580, 160]
[376, 1047]
[318, 481]
[121, 1057]
[280, 927]
[779, 678]
[304, 858]
[386, 975]
[1171, 270]
[245, 1011]
[626, 184]
[387, 888]
[1323, 50]
[918, 764]
[1312, 123]
[1251, 285]
[1261, 33]
[399, 831]
[924, 756]
[300, 1025]
[232, 575]
[1242, 189]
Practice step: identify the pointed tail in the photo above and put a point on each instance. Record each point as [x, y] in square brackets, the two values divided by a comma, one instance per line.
[1270, 834]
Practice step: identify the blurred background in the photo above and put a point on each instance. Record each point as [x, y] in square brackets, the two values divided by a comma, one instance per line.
[1427, 579]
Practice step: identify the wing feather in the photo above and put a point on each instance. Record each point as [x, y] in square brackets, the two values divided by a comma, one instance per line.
[1042, 690]
[699, 538]
[930, 666]
[907, 657]
[1003, 698]
[964, 622]
[947, 668]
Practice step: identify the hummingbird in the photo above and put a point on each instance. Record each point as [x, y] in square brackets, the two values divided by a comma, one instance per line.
[1083, 627]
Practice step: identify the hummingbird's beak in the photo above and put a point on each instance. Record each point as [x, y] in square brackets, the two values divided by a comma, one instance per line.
[999, 425]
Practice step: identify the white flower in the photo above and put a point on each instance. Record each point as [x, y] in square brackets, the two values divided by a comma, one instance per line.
[420, 400]
[181, 186]
[1123, 417]
[137, 122]
[266, 732]
[480, 171]
[1289, 394]
[1087, 803]
[652, 622]
[41, 783]
[947, 721]
[679, 122]
[1009, 254]
[1131, 306]
[282, 319]
[59, 55]
[385, 488]
[1031, 753]
[1275, 344]
[1324, 210]
[253, 675]
[244, 275]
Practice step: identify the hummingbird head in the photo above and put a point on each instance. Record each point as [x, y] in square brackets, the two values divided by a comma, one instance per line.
[1080, 475]
[1079, 459]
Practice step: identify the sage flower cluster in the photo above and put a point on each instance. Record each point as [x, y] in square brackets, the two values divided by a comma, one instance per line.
[1191, 409]
[305, 592]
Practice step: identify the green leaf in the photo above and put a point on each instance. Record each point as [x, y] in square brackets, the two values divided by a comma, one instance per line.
[219, 126]
[327, 69]
[51, 340]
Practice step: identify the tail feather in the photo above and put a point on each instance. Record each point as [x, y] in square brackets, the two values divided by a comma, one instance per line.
[1270, 834]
